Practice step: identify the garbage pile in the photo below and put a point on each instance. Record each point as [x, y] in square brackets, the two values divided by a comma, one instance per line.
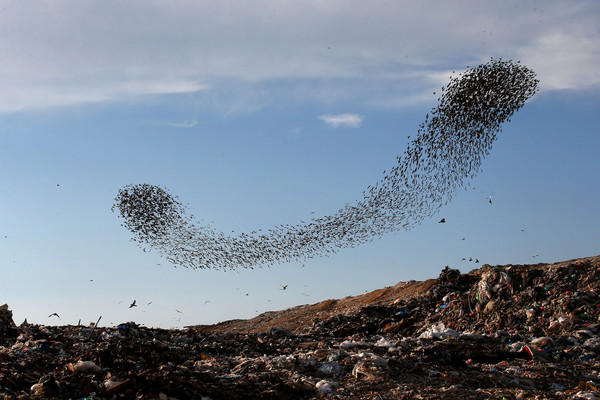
[499, 332]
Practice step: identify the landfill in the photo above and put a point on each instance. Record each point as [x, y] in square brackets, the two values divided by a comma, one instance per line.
[498, 332]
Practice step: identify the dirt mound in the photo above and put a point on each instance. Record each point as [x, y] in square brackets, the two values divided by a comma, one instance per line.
[296, 319]
[299, 317]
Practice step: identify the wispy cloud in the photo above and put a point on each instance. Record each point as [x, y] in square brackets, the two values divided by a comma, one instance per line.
[188, 123]
[343, 120]
[563, 61]
[64, 52]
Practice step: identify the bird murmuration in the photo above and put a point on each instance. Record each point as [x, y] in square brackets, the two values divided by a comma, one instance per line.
[447, 152]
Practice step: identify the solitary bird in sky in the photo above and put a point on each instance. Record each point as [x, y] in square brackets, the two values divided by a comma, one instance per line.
[442, 221]
[283, 287]
[54, 315]
[133, 304]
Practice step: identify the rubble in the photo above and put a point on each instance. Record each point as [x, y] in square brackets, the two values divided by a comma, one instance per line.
[502, 332]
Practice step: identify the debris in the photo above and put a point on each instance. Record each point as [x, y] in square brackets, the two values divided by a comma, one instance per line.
[352, 353]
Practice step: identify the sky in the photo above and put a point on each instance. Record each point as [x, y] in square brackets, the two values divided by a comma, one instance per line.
[257, 114]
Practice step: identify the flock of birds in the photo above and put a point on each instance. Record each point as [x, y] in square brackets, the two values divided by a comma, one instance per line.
[447, 152]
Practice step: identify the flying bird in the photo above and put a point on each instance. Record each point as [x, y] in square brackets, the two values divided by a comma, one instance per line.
[283, 287]
[442, 221]
[133, 304]
[54, 315]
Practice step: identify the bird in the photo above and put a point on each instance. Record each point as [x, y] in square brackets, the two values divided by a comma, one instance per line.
[179, 311]
[283, 287]
[442, 221]
[133, 304]
[54, 315]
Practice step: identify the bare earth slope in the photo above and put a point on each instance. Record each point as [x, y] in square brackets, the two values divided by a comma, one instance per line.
[299, 317]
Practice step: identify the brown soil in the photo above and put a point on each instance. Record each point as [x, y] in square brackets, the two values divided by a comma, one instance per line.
[299, 317]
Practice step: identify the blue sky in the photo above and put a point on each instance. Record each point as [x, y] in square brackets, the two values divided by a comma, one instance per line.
[259, 115]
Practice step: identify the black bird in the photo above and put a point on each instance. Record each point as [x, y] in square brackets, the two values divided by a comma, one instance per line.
[442, 221]
[283, 287]
[133, 304]
[54, 315]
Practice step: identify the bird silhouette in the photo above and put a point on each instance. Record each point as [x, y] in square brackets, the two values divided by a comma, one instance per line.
[133, 304]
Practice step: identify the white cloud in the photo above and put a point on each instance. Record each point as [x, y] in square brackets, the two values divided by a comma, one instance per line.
[565, 61]
[343, 120]
[63, 52]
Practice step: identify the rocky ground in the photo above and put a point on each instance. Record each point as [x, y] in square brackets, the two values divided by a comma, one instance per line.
[499, 332]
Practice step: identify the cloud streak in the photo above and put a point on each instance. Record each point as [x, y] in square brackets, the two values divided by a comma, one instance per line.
[343, 120]
[188, 123]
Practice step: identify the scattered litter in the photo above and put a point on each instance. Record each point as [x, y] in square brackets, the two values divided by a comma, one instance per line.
[540, 339]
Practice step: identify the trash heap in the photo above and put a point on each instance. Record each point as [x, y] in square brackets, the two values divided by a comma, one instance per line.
[503, 332]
